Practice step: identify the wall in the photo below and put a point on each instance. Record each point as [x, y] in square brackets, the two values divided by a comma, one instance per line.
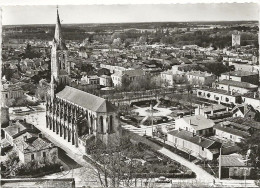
[189, 147]
[228, 136]
[39, 154]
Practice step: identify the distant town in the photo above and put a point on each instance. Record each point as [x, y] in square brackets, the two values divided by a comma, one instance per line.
[160, 104]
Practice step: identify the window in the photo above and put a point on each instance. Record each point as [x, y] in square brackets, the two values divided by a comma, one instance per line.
[202, 148]
[32, 156]
[230, 136]
[44, 154]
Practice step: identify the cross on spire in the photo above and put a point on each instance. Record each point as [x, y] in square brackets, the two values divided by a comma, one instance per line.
[58, 35]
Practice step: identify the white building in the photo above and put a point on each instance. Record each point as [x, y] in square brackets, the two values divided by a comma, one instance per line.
[197, 124]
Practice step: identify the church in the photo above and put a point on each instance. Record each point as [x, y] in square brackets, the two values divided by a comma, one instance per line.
[72, 114]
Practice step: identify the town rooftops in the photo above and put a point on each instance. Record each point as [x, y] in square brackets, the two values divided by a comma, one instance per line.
[245, 121]
[186, 135]
[232, 161]
[238, 84]
[85, 100]
[199, 122]
[18, 128]
[240, 73]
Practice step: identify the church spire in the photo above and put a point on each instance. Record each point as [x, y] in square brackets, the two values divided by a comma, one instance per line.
[58, 36]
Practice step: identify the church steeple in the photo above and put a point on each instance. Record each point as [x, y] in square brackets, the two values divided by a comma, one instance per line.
[60, 67]
[58, 39]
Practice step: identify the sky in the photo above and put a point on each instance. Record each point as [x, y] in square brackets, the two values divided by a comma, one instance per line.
[17, 15]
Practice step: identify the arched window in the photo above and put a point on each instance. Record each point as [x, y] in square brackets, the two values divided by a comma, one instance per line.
[111, 124]
[101, 124]
[208, 95]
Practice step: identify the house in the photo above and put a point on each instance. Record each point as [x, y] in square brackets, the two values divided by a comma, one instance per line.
[214, 111]
[131, 75]
[35, 148]
[233, 166]
[29, 142]
[195, 145]
[231, 131]
[200, 78]
[246, 122]
[197, 124]
[17, 128]
[10, 91]
[167, 77]
[219, 96]
[105, 80]
[241, 76]
[244, 111]
[236, 86]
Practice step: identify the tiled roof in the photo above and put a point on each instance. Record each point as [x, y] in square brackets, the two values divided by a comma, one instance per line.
[232, 161]
[238, 84]
[85, 100]
[186, 135]
[239, 73]
[230, 130]
[33, 144]
[199, 122]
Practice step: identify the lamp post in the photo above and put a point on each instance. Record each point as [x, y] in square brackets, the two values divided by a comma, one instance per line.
[219, 165]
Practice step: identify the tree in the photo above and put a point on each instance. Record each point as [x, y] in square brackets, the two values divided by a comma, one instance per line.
[252, 143]
[111, 168]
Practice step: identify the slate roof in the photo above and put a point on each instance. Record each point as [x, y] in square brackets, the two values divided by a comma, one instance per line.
[85, 100]
[238, 84]
[188, 136]
[199, 122]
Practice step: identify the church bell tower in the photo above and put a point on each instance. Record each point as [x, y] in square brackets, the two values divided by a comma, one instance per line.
[60, 67]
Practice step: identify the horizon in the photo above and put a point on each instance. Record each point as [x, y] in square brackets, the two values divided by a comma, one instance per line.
[53, 24]
[111, 14]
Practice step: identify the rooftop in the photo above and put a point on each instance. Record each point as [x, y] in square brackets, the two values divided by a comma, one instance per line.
[231, 130]
[186, 135]
[232, 161]
[214, 107]
[85, 100]
[238, 84]
[199, 122]
[220, 91]
[199, 73]
[240, 73]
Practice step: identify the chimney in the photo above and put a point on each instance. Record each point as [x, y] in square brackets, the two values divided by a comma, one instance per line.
[25, 138]
[254, 95]
[193, 134]
[190, 122]
[227, 109]
[231, 92]
[19, 129]
[24, 120]
[199, 139]
[40, 135]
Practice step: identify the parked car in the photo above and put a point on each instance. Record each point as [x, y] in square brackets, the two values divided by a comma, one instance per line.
[162, 179]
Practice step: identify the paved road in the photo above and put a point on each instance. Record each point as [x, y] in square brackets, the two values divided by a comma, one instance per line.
[84, 176]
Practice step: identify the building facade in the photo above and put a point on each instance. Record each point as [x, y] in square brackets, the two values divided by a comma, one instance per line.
[72, 113]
